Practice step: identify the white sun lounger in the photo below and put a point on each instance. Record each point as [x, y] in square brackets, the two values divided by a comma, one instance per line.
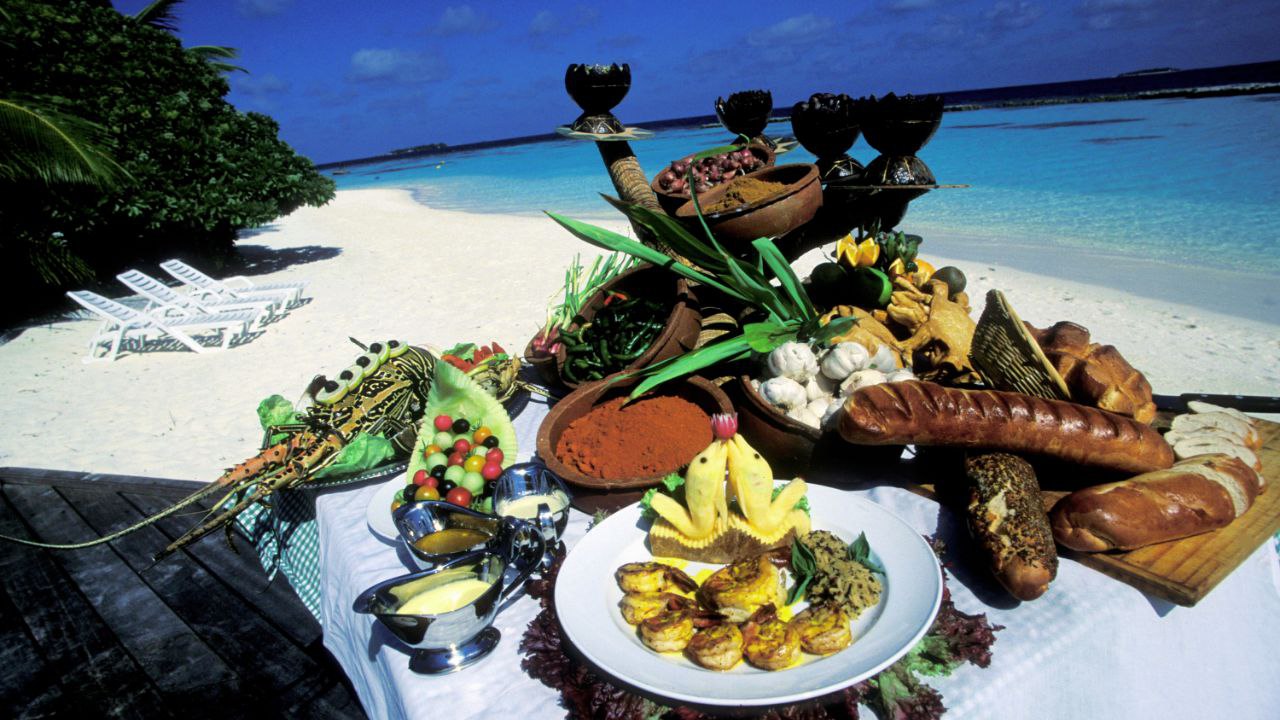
[123, 326]
[171, 303]
[205, 286]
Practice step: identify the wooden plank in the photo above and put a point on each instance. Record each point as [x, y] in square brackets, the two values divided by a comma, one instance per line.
[164, 646]
[276, 601]
[261, 664]
[81, 654]
[98, 481]
[27, 685]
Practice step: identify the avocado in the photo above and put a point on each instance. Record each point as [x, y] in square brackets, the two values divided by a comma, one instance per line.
[870, 288]
[952, 276]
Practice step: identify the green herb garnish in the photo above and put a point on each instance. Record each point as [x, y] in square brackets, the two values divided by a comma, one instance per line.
[672, 485]
[804, 566]
[860, 552]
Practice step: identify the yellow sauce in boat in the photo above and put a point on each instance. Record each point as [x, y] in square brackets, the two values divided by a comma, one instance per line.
[444, 598]
[527, 506]
[451, 540]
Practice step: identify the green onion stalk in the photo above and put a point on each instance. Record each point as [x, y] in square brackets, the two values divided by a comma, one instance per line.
[768, 285]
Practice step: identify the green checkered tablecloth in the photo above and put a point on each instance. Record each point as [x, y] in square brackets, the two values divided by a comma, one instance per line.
[285, 535]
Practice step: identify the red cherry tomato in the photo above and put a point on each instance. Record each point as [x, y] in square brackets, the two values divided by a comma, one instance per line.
[431, 481]
[457, 458]
[494, 455]
[459, 496]
[420, 477]
[491, 470]
[443, 423]
[462, 446]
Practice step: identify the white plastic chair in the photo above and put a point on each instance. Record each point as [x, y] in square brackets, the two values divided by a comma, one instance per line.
[205, 286]
[172, 303]
[122, 325]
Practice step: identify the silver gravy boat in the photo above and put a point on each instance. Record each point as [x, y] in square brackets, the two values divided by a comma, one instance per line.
[451, 640]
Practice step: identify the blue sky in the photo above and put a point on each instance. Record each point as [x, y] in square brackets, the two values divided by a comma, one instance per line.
[349, 79]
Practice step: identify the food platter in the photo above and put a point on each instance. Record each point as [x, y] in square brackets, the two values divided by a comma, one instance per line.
[586, 599]
[378, 514]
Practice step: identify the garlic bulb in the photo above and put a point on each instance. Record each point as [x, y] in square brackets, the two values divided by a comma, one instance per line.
[900, 375]
[861, 379]
[793, 360]
[819, 406]
[803, 415]
[831, 411]
[820, 386]
[883, 360]
[784, 393]
[844, 359]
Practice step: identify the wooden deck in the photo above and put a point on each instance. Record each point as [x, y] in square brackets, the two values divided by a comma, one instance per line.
[97, 632]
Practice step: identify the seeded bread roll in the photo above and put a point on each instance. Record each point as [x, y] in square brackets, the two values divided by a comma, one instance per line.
[1007, 518]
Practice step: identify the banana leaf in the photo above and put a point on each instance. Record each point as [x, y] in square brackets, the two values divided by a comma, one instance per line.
[734, 348]
[781, 269]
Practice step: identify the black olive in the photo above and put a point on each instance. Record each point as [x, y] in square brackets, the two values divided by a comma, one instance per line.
[461, 426]
[437, 472]
[408, 492]
[375, 348]
[490, 486]
[346, 375]
[393, 344]
[331, 386]
[363, 361]
[491, 442]
[445, 486]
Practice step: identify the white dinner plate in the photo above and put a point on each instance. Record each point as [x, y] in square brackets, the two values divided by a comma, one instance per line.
[378, 514]
[587, 596]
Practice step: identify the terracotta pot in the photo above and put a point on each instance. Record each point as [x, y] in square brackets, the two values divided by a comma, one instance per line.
[671, 202]
[787, 444]
[772, 217]
[700, 392]
[678, 335]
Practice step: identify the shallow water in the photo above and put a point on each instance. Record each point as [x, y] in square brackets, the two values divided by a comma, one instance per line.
[1192, 183]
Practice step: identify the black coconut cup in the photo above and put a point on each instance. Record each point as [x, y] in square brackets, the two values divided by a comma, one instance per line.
[900, 125]
[746, 112]
[597, 89]
[825, 125]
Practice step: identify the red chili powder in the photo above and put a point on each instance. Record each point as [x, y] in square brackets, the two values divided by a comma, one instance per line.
[650, 436]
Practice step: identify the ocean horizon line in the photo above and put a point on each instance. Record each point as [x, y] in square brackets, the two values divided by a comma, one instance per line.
[1242, 79]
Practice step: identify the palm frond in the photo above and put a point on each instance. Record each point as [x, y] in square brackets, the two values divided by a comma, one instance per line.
[160, 14]
[39, 142]
[214, 54]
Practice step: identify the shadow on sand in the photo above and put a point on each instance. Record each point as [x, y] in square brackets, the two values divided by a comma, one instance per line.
[263, 260]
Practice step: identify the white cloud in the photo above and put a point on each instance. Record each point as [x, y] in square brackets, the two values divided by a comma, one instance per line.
[259, 85]
[394, 65]
[1112, 14]
[544, 23]
[461, 20]
[1014, 15]
[909, 5]
[262, 8]
[793, 30]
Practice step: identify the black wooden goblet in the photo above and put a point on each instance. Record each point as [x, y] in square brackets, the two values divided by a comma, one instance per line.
[746, 113]
[900, 125]
[827, 127]
[597, 89]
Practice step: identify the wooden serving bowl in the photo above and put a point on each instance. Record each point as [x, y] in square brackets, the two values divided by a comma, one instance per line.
[771, 217]
[709, 398]
[678, 336]
[671, 202]
[787, 444]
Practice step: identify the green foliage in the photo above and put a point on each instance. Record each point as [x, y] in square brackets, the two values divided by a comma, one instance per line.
[197, 169]
[45, 145]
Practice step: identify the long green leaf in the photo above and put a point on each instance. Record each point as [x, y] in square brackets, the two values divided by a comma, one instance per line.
[160, 14]
[764, 336]
[38, 142]
[672, 232]
[734, 348]
[782, 270]
[609, 240]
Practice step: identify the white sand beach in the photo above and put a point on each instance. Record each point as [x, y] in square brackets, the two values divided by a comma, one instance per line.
[437, 277]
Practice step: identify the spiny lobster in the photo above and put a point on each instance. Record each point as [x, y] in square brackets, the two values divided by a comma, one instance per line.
[384, 392]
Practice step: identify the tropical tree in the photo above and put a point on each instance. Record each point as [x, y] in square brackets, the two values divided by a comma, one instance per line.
[162, 15]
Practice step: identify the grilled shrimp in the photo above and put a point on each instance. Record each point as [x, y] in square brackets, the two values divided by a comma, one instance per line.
[823, 629]
[670, 630]
[718, 647]
[737, 590]
[769, 643]
[652, 577]
[638, 606]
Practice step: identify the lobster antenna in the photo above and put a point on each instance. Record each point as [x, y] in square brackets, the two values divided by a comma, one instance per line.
[359, 344]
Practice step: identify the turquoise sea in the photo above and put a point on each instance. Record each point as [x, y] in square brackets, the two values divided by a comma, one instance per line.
[1174, 183]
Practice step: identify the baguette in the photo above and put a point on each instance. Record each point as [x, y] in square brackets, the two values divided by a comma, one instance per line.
[1007, 518]
[1194, 496]
[927, 414]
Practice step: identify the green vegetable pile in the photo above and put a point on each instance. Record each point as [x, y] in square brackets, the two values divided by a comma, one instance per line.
[619, 333]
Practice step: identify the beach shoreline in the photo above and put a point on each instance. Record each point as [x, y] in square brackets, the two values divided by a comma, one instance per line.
[393, 268]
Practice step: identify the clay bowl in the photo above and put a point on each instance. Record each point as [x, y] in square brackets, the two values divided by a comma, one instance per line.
[787, 444]
[678, 335]
[709, 398]
[671, 202]
[771, 217]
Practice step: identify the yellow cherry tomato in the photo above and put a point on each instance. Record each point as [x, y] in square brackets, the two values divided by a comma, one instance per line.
[473, 464]
[482, 433]
[426, 492]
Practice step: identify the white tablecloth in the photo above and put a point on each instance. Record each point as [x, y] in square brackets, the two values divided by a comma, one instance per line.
[1090, 648]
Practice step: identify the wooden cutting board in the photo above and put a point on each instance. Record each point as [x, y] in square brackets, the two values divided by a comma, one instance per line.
[1184, 571]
